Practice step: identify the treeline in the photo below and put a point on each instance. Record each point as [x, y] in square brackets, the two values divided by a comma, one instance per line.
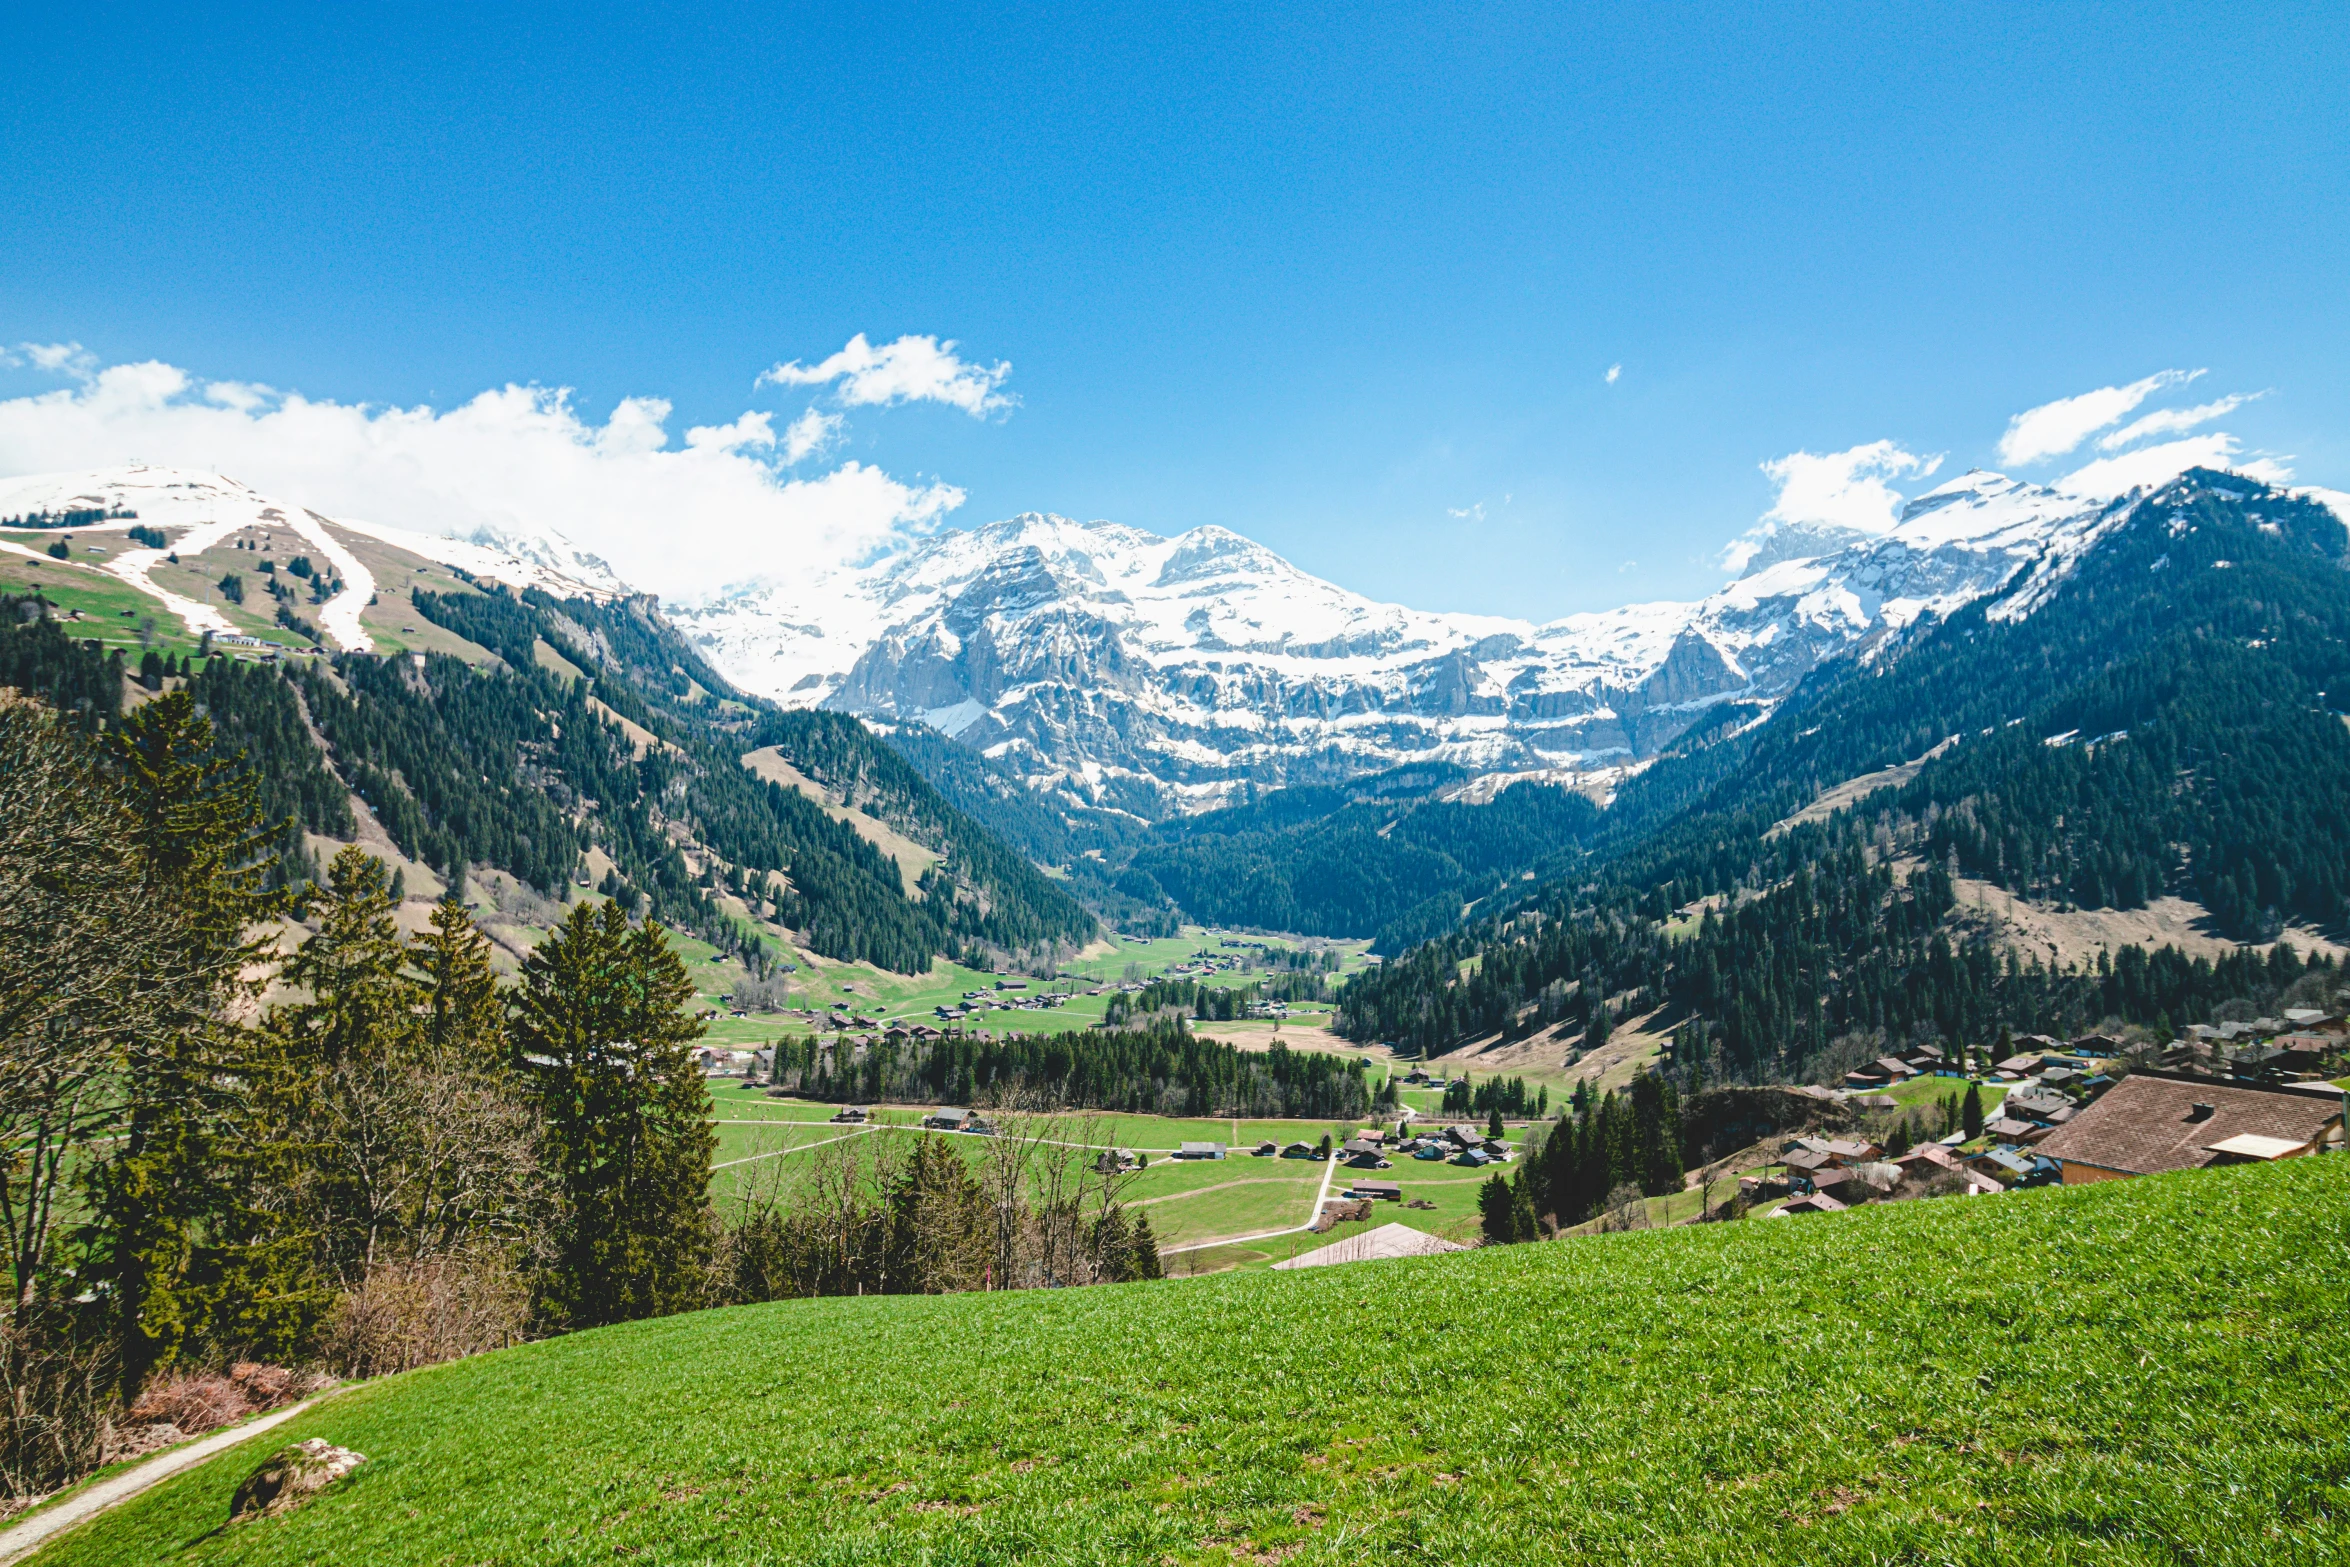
[1496, 1095]
[1210, 1002]
[912, 1215]
[1162, 1069]
[1843, 949]
[1600, 1154]
[37, 659]
[71, 517]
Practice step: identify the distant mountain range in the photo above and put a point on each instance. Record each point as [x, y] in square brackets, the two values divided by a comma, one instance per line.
[1110, 667]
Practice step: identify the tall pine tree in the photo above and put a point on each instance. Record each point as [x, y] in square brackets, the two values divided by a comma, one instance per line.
[601, 1028]
[170, 1242]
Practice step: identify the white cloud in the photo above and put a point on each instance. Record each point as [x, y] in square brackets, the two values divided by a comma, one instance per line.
[2149, 466]
[61, 358]
[810, 435]
[1475, 512]
[2052, 429]
[910, 370]
[2171, 421]
[1613, 371]
[1844, 489]
[681, 520]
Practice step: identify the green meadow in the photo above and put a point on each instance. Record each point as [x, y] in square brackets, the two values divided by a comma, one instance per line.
[2142, 1372]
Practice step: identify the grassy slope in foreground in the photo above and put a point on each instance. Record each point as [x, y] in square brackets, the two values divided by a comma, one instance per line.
[2147, 1371]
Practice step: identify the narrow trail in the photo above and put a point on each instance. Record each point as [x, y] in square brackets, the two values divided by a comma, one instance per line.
[29, 1536]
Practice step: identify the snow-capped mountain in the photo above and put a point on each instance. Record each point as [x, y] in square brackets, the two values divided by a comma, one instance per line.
[1158, 674]
[179, 497]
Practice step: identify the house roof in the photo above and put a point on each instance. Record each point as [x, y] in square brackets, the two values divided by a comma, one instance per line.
[2251, 1145]
[2146, 1122]
[1818, 1202]
[1388, 1240]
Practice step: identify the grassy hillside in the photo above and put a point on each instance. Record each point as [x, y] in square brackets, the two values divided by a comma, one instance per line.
[2148, 1371]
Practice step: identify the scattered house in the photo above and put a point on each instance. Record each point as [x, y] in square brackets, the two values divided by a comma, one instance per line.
[1386, 1242]
[979, 1126]
[1804, 1163]
[1818, 1202]
[2014, 1164]
[1117, 1161]
[2287, 1053]
[852, 1115]
[1297, 1151]
[1429, 1150]
[1928, 1157]
[1267, 1149]
[1474, 1158]
[2034, 1105]
[1877, 1102]
[2150, 1122]
[1377, 1191]
[1844, 1185]
[1465, 1136]
[944, 1120]
[1200, 1151]
[2017, 1066]
[2010, 1129]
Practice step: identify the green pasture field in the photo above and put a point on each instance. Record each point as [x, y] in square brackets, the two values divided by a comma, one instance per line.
[101, 599]
[877, 993]
[2139, 1372]
[1927, 1092]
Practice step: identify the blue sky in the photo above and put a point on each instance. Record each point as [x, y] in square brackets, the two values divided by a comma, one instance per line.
[1347, 281]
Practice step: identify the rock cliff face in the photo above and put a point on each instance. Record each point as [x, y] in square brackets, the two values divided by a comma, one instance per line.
[1157, 674]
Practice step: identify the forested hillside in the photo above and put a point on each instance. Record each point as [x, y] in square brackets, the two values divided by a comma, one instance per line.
[1385, 853]
[523, 764]
[2165, 721]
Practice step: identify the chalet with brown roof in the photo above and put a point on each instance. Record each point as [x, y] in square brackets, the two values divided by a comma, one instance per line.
[2154, 1121]
[1818, 1202]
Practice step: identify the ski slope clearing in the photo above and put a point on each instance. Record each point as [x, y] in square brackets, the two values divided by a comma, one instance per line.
[2144, 1371]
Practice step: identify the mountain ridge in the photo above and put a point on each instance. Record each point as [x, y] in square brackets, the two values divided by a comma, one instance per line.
[1115, 668]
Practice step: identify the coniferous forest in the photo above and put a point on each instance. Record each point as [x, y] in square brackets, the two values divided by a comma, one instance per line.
[2166, 722]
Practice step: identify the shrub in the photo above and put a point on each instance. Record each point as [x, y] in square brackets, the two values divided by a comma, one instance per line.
[418, 1313]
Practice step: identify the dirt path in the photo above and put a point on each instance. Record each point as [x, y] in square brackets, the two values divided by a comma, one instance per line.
[29, 1536]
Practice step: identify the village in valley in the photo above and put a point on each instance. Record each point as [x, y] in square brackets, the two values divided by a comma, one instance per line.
[1926, 1121]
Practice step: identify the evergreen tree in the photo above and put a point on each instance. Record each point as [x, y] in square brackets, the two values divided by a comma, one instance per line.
[1143, 1249]
[1493, 1126]
[363, 1005]
[600, 1027]
[1971, 1113]
[1497, 1211]
[1656, 1119]
[170, 1245]
[464, 1014]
